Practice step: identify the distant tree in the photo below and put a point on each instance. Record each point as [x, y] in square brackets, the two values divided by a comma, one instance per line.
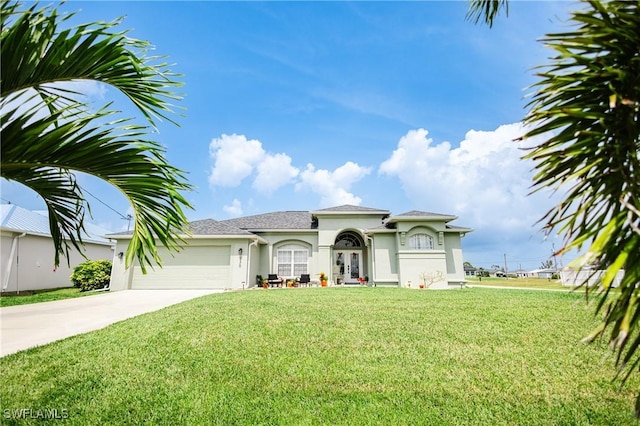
[587, 107]
[547, 264]
[49, 131]
[468, 264]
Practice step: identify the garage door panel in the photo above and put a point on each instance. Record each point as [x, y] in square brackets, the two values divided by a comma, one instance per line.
[193, 268]
[197, 256]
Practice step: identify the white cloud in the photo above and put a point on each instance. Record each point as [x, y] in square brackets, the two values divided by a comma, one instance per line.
[484, 180]
[273, 172]
[91, 89]
[235, 209]
[333, 187]
[236, 158]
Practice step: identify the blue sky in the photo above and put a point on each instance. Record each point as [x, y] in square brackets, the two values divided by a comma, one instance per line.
[306, 105]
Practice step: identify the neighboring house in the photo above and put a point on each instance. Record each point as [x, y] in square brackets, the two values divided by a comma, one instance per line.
[470, 271]
[542, 273]
[348, 243]
[27, 252]
[520, 273]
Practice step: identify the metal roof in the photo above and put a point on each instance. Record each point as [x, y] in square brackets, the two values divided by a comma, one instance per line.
[18, 219]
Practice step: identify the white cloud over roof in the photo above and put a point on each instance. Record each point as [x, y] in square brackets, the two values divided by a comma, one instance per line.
[333, 187]
[484, 180]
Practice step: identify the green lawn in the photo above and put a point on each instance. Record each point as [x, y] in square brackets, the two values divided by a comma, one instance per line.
[333, 356]
[37, 296]
[539, 283]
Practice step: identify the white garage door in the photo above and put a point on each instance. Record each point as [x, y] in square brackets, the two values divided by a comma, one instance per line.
[192, 268]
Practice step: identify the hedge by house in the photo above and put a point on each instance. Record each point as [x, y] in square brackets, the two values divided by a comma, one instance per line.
[91, 275]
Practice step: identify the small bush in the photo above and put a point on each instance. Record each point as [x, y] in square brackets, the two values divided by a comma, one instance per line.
[91, 275]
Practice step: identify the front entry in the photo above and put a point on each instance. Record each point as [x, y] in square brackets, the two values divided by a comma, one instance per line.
[347, 258]
[348, 266]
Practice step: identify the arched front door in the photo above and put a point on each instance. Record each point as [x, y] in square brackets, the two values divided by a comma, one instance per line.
[347, 256]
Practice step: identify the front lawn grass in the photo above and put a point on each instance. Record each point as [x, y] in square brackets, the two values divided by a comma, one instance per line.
[37, 296]
[333, 356]
[537, 283]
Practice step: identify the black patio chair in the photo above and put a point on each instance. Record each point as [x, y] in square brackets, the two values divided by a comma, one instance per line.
[305, 280]
[273, 279]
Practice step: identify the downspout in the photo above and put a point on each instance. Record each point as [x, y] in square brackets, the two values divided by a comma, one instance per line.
[372, 250]
[254, 243]
[7, 274]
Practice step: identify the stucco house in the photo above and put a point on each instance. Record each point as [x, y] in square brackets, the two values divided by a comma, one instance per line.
[27, 252]
[348, 243]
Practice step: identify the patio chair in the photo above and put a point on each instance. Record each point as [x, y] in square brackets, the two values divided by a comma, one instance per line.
[305, 280]
[274, 280]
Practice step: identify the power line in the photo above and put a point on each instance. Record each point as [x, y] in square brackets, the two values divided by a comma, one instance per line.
[127, 217]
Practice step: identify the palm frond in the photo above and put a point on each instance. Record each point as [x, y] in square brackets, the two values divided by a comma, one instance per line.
[48, 134]
[587, 105]
[486, 10]
[34, 53]
[41, 152]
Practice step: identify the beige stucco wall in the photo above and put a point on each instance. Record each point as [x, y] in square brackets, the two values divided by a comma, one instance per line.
[384, 259]
[413, 263]
[455, 263]
[267, 254]
[33, 262]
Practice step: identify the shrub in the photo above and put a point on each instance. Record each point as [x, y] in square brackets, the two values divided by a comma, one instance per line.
[91, 275]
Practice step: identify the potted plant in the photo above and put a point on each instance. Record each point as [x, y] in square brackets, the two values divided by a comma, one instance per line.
[259, 280]
[323, 279]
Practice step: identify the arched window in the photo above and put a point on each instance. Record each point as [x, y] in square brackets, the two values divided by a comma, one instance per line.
[421, 242]
[347, 239]
[292, 260]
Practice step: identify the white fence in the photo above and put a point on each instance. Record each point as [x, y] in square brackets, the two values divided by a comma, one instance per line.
[574, 278]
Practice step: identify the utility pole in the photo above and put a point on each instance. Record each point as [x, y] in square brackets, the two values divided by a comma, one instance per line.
[506, 271]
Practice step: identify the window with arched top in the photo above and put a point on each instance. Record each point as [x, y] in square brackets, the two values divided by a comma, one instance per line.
[292, 260]
[421, 242]
[347, 239]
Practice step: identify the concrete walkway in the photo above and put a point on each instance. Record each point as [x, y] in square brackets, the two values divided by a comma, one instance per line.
[26, 326]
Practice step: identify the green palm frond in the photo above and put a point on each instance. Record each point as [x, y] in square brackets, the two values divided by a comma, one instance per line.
[587, 105]
[40, 153]
[34, 54]
[486, 10]
[48, 134]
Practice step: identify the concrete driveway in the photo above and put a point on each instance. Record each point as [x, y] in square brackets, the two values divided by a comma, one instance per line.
[26, 326]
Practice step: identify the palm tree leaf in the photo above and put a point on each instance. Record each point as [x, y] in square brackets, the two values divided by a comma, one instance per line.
[36, 149]
[591, 144]
[486, 10]
[35, 53]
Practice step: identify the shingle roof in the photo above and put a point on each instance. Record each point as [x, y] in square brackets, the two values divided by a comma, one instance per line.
[458, 228]
[19, 219]
[286, 220]
[418, 213]
[214, 227]
[275, 220]
[352, 208]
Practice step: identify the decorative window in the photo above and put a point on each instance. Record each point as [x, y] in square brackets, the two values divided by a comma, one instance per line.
[347, 239]
[421, 242]
[292, 261]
